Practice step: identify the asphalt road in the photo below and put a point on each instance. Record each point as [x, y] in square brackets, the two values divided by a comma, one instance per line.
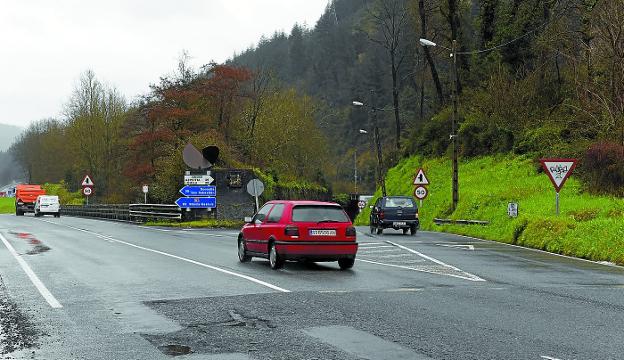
[86, 289]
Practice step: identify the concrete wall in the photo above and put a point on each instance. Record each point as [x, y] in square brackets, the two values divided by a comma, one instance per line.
[233, 201]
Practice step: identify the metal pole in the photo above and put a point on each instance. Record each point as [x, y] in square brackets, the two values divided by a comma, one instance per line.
[382, 181]
[145, 195]
[454, 129]
[256, 196]
[557, 202]
[355, 171]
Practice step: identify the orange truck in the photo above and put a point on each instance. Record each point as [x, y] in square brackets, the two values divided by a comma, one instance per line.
[25, 197]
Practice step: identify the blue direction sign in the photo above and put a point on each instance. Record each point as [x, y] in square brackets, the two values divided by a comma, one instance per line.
[206, 190]
[197, 202]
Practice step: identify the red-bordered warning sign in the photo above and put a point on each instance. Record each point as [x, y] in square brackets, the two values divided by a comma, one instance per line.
[558, 170]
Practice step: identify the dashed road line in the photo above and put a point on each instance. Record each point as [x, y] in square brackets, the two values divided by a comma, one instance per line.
[215, 268]
[43, 290]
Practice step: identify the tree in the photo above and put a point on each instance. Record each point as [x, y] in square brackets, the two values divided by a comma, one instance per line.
[390, 19]
[95, 114]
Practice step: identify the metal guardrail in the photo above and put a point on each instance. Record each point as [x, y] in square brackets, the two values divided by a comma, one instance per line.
[155, 211]
[125, 212]
[112, 212]
[459, 222]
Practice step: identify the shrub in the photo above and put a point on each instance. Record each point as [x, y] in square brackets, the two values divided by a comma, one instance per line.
[603, 166]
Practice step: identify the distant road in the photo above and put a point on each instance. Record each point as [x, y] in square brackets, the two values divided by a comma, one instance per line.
[91, 289]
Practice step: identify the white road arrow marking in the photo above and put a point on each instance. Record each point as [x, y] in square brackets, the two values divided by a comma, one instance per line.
[460, 246]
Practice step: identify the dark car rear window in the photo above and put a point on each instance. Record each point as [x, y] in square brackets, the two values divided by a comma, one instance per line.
[403, 202]
[316, 213]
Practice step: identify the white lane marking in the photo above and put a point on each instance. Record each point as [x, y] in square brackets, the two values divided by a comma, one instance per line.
[530, 249]
[420, 270]
[370, 243]
[375, 247]
[43, 290]
[460, 246]
[472, 277]
[548, 357]
[182, 231]
[215, 268]
[383, 251]
[393, 256]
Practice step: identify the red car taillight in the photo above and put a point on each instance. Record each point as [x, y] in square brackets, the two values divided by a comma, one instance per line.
[350, 231]
[291, 231]
[381, 214]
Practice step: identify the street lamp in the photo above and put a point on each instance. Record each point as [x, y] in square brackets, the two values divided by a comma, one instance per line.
[374, 110]
[453, 50]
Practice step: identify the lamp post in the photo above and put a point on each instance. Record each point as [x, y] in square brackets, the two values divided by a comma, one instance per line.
[454, 95]
[377, 142]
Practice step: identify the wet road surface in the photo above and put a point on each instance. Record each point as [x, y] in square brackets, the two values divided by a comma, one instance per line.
[76, 288]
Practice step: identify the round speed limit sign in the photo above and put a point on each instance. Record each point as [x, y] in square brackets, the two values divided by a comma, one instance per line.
[87, 191]
[420, 192]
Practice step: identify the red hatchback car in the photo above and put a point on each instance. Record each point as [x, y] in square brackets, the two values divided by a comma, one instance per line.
[299, 230]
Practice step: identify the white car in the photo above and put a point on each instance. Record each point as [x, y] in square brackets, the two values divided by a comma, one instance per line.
[47, 204]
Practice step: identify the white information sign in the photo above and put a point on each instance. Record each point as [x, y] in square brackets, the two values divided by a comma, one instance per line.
[198, 179]
[512, 210]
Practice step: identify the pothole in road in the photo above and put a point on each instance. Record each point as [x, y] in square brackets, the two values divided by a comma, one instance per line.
[250, 322]
[175, 349]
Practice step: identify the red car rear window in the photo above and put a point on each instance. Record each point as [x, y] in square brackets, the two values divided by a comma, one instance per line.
[319, 213]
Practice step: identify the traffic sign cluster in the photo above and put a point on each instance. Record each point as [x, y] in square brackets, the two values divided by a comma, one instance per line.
[87, 186]
[198, 192]
[421, 182]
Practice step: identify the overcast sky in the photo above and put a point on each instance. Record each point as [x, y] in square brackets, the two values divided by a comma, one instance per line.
[45, 45]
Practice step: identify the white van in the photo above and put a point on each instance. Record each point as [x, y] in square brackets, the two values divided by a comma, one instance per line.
[47, 204]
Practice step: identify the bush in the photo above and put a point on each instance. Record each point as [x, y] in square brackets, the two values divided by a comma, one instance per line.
[478, 136]
[603, 166]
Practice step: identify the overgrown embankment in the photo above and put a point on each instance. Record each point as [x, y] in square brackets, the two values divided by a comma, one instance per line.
[590, 227]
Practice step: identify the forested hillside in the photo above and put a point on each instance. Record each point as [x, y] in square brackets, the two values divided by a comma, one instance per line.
[535, 77]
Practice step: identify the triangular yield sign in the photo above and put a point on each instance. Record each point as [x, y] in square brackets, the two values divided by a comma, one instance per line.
[558, 170]
[421, 178]
[87, 181]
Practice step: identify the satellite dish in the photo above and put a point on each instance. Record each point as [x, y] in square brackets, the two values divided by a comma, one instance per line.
[211, 153]
[194, 159]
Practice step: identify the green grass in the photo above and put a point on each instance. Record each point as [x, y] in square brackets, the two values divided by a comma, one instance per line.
[207, 223]
[7, 205]
[590, 227]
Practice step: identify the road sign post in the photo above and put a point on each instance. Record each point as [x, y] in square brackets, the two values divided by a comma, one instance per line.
[145, 191]
[255, 188]
[558, 170]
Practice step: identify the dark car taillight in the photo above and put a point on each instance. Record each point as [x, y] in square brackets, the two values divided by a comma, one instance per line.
[291, 231]
[381, 214]
[350, 231]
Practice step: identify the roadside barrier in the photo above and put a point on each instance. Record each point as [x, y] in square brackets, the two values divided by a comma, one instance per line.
[460, 222]
[124, 212]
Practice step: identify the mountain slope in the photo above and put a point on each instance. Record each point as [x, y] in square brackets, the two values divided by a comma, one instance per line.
[8, 133]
